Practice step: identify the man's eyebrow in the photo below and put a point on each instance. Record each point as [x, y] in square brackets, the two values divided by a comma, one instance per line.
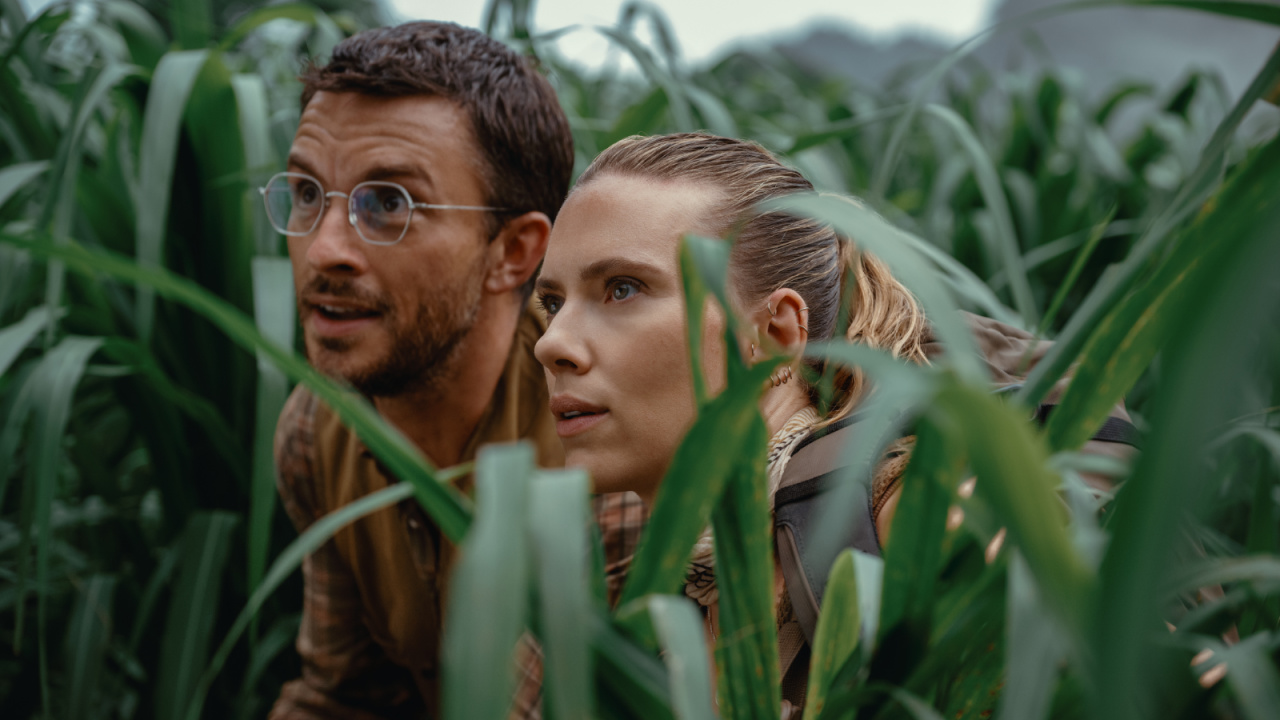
[617, 266]
[397, 172]
[377, 172]
[296, 161]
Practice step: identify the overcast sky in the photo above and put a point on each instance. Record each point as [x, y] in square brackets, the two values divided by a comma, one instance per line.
[705, 27]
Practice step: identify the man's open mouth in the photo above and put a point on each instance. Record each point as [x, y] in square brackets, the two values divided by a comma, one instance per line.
[333, 312]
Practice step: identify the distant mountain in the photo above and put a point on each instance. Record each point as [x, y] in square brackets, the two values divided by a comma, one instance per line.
[1107, 45]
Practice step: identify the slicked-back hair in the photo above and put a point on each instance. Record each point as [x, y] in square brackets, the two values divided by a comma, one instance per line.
[523, 136]
[773, 250]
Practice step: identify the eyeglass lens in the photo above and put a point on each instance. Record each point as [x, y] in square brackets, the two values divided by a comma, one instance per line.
[296, 202]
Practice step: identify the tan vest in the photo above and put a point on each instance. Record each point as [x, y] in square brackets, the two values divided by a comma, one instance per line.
[398, 558]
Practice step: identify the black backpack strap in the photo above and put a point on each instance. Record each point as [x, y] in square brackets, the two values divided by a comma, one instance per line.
[1114, 429]
[813, 468]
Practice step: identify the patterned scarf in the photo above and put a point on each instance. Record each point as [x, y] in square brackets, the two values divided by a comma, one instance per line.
[700, 580]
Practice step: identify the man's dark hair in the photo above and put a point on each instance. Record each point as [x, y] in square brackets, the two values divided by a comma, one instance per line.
[522, 133]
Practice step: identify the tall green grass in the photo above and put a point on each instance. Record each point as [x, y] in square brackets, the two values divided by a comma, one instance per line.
[147, 344]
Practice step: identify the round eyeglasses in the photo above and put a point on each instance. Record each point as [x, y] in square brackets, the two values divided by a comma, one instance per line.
[379, 211]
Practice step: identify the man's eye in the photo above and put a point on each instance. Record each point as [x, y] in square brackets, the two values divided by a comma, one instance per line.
[307, 193]
[622, 290]
[550, 304]
[393, 203]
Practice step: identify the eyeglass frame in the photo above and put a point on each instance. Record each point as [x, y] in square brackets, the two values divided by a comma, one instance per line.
[351, 213]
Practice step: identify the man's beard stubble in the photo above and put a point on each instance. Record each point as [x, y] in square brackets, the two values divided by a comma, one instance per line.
[422, 350]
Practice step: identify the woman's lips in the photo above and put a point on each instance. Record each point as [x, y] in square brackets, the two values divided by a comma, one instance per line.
[575, 416]
[568, 427]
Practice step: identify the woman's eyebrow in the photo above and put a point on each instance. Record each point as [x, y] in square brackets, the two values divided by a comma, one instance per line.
[618, 266]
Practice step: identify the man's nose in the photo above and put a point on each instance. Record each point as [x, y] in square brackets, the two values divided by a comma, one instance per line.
[335, 246]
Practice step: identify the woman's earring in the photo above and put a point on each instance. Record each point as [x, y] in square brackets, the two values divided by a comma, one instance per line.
[781, 376]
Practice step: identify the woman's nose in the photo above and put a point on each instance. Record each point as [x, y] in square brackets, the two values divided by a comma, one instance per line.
[562, 348]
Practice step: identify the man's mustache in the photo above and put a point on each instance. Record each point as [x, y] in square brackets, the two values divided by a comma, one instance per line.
[346, 289]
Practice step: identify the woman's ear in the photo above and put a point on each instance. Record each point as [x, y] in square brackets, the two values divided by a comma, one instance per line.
[515, 253]
[784, 322]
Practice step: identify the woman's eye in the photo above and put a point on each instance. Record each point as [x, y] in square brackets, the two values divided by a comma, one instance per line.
[622, 290]
[550, 304]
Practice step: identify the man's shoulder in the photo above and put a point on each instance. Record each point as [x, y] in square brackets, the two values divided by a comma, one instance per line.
[295, 446]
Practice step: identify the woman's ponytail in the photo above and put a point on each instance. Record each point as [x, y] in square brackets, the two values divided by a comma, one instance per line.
[882, 314]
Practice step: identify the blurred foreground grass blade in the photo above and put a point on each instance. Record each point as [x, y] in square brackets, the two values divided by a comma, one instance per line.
[900, 391]
[15, 338]
[1129, 337]
[679, 628]
[88, 636]
[838, 633]
[1237, 300]
[285, 564]
[984, 172]
[488, 596]
[690, 489]
[273, 306]
[559, 521]
[1010, 462]
[1073, 274]
[913, 553]
[748, 682]
[632, 683]
[447, 506]
[193, 610]
[1034, 649]
[171, 86]
[1111, 289]
[1252, 673]
[695, 303]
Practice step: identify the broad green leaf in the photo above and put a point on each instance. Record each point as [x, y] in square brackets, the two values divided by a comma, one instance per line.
[289, 560]
[59, 208]
[192, 23]
[1006, 238]
[558, 524]
[192, 611]
[1102, 300]
[88, 635]
[1127, 339]
[15, 177]
[748, 681]
[1252, 674]
[1010, 462]
[913, 553]
[695, 294]
[53, 386]
[1195, 398]
[838, 633]
[690, 489]
[679, 628]
[274, 314]
[449, 509]
[1034, 649]
[170, 88]
[488, 601]
[300, 12]
[15, 338]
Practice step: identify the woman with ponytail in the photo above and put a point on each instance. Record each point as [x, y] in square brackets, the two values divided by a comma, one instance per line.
[616, 353]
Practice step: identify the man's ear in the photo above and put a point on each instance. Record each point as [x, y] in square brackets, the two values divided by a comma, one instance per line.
[515, 253]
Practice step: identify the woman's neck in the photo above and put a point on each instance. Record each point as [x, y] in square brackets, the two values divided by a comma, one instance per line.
[780, 403]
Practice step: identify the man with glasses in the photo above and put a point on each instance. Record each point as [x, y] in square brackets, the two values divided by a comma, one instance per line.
[427, 167]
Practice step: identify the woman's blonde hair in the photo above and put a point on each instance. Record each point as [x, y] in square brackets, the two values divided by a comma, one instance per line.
[776, 250]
